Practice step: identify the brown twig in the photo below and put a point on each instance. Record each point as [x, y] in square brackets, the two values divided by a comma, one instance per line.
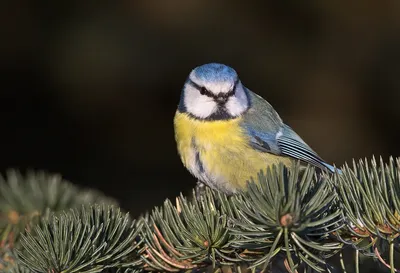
[378, 255]
[165, 243]
[164, 256]
[169, 262]
[287, 266]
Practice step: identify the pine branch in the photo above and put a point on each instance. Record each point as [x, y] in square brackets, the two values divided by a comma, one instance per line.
[288, 219]
[291, 213]
[26, 199]
[285, 212]
[23, 199]
[370, 197]
[88, 240]
[192, 235]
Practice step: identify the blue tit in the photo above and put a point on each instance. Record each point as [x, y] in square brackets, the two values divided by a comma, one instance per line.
[226, 134]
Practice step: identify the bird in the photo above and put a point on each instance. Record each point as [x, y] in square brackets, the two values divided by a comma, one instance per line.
[226, 134]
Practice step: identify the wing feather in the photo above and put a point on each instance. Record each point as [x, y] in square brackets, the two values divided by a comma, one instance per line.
[292, 145]
[268, 133]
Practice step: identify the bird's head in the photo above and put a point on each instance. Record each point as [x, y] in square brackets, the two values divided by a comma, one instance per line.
[214, 92]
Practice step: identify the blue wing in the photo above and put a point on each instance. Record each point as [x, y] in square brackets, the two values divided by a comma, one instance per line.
[269, 134]
[286, 142]
[292, 145]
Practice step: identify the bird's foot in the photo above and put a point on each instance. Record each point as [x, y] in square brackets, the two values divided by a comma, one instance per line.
[200, 189]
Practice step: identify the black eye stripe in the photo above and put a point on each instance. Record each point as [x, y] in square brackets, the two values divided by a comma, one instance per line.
[206, 92]
[195, 85]
[201, 89]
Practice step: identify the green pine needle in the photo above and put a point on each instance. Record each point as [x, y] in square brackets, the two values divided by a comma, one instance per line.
[87, 240]
[38, 191]
[370, 196]
[288, 211]
[292, 218]
[24, 198]
[192, 234]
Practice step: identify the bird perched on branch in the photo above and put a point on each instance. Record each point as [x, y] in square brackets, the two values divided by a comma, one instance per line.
[226, 134]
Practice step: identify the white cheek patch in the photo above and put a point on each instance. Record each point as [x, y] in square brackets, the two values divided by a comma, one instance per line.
[199, 105]
[237, 104]
[235, 107]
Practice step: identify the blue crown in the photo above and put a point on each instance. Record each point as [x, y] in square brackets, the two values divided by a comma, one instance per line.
[214, 72]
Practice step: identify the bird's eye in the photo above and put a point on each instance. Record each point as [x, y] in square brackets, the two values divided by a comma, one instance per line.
[203, 90]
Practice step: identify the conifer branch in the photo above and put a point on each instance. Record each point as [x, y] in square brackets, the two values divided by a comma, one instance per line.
[288, 219]
[24, 198]
[288, 212]
[191, 235]
[87, 240]
[284, 212]
[370, 196]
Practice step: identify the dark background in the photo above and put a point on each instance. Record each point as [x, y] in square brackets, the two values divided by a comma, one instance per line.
[90, 88]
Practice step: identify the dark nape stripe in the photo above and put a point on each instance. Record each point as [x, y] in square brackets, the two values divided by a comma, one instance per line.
[181, 105]
[235, 85]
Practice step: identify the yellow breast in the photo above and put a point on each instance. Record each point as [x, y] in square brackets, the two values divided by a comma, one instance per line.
[218, 152]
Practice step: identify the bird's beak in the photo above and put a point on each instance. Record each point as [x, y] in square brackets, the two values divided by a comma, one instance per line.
[221, 100]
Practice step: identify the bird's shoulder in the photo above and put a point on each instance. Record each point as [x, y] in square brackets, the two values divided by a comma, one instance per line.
[261, 115]
[262, 124]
